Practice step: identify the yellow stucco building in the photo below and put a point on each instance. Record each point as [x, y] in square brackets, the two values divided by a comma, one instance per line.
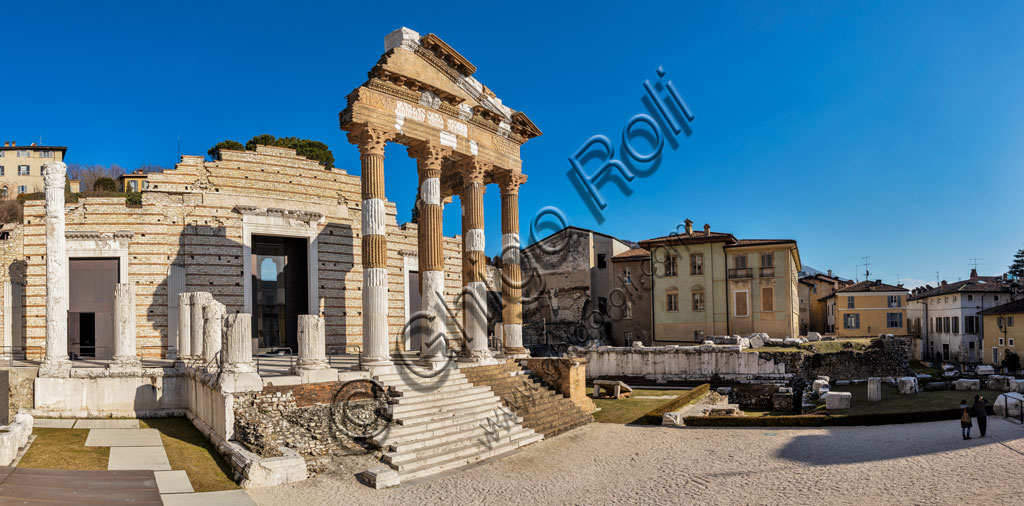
[1003, 330]
[870, 308]
[708, 283]
[21, 168]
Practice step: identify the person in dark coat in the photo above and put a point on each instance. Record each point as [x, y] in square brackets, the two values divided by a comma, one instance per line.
[979, 412]
[965, 419]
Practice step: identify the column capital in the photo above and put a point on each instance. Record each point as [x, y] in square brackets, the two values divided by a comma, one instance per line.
[55, 174]
[510, 181]
[473, 170]
[371, 140]
[429, 157]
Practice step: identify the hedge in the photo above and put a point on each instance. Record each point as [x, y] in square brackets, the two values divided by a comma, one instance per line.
[653, 417]
[824, 420]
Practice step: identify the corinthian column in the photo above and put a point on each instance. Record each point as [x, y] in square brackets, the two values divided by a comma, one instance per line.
[429, 157]
[474, 261]
[124, 328]
[56, 361]
[371, 142]
[511, 274]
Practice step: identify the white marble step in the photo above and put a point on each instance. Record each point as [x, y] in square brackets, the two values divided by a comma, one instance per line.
[448, 403]
[413, 393]
[458, 442]
[398, 434]
[486, 407]
[460, 461]
[462, 448]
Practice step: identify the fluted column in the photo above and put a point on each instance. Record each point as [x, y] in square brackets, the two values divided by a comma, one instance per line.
[125, 356]
[429, 157]
[238, 352]
[371, 142]
[185, 326]
[55, 362]
[511, 274]
[474, 260]
[198, 302]
[312, 365]
[213, 332]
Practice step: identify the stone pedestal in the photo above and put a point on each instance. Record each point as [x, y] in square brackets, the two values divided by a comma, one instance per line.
[311, 364]
[55, 362]
[908, 385]
[838, 400]
[213, 328]
[198, 303]
[125, 356]
[874, 389]
[184, 327]
[239, 373]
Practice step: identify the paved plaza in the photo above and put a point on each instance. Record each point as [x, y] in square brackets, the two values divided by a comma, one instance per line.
[924, 463]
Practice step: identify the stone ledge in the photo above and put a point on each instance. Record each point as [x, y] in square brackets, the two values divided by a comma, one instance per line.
[251, 470]
[15, 436]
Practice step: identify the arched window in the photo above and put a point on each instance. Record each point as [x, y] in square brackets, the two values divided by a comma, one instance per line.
[697, 297]
[4, 192]
[672, 299]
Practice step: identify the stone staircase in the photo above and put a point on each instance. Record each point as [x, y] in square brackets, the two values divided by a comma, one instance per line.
[444, 422]
[542, 409]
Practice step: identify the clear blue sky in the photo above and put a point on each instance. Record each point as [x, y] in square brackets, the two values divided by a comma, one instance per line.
[891, 130]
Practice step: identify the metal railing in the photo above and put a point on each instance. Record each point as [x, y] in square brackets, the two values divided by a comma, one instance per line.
[767, 272]
[1020, 407]
[275, 351]
[744, 272]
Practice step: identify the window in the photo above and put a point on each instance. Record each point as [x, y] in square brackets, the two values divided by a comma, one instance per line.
[767, 298]
[766, 259]
[698, 301]
[1000, 341]
[946, 325]
[1009, 321]
[1, 168]
[1000, 322]
[24, 153]
[1, 154]
[670, 265]
[627, 311]
[936, 325]
[3, 192]
[995, 355]
[741, 306]
[954, 298]
[23, 170]
[894, 301]
[956, 324]
[970, 297]
[672, 301]
[740, 261]
[1010, 341]
[601, 263]
[849, 302]
[996, 298]
[851, 321]
[696, 264]
[894, 320]
[626, 278]
[46, 154]
[970, 324]
[22, 189]
[145, 185]
[133, 186]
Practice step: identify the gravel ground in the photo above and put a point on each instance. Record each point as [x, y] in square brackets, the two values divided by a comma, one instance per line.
[924, 463]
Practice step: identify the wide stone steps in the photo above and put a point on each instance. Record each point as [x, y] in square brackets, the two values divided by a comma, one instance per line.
[444, 422]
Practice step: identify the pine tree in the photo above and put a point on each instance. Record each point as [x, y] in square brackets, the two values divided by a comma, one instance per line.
[1017, 267]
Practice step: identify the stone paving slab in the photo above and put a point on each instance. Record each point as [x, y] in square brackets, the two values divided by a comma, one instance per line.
[124, 437]
[53, 423]
[108, 423]
[222, 498]
[153, 458]
[173, 482]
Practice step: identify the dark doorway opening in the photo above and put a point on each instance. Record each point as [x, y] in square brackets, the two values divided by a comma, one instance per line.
[91, 283]
[87, 334]
[279, 290]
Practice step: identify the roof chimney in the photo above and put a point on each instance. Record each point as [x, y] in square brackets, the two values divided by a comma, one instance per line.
[33, 144]
[943, 282]
[974, 274]
[707, 229]
[689, 226]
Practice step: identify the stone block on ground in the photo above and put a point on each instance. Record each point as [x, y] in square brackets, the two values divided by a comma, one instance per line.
[936, 386]
[724, 390]
[967, 384]
[1008, 404]
[818, 385]
[998, 382]
[838, 400]
[1016, 385]
[380, 477]
[984, 370]
[874, 389]
[608, 389]
[756, 341]
[908, 385]
[813, 336]
[791, 341]
[773, 342]
[782, 401]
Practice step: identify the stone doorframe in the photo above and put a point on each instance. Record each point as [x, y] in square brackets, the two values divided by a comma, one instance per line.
[410, 262]
[99, 245]
[281, 223]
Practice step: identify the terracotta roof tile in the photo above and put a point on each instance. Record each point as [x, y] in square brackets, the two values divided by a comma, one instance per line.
[632, 254]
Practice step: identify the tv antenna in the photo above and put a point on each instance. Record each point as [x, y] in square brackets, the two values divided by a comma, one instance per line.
[975, 263]
[867, 273]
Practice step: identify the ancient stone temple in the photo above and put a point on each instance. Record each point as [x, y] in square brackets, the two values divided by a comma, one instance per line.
[263, 274]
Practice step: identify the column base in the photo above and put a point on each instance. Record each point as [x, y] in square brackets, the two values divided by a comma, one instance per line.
[231, 382]
[515, 353]
[322, 375]
[125, 364]
[55, 368]
[433, 362]
[369, 363]
[477, 357]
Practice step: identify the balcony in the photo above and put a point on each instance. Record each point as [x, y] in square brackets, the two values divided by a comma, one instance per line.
[767, 272]
[744, 272]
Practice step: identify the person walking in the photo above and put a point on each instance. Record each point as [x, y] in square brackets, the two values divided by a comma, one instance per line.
[979, 412]
[965, 419]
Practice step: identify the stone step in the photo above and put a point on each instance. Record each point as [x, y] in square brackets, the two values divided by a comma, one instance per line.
[405, 384]
[405, 389]
[401, 435]
[460, 461]
[420, 398]
[447, 403]
[478, 439]
[429, 418]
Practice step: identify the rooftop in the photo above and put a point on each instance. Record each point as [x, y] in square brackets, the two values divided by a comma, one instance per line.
[632, 254]
[974, 283]
[872, 286]
[1016, 306]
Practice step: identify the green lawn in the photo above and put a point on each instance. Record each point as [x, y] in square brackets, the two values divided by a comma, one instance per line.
[893, 402]
[64, 449]
[188, 450]
[857, 344]
[632, 409]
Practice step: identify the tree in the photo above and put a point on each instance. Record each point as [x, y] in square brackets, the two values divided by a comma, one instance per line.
[104, 184]
[1011, 362]
[313, 150]
[1017, 267]
[214, 152]
[88, 174]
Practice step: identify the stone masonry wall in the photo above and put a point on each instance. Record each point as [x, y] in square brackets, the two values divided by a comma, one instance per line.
[193, 216]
